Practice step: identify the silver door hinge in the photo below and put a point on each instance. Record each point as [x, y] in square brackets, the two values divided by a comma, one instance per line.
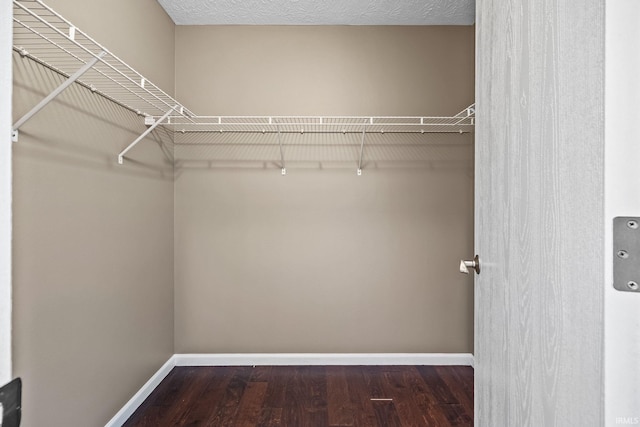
[626, 253]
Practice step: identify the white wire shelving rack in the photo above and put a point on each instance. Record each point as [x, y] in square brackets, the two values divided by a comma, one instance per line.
[460, 123]
[44, 36]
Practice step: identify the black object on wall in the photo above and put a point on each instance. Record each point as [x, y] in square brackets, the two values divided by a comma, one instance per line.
[10, 399]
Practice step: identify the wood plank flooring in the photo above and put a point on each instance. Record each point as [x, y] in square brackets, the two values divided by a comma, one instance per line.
[309, 396]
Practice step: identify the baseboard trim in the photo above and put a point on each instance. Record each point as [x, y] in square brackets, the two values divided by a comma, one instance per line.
[284, 359]
[308, 359]
[130, 407]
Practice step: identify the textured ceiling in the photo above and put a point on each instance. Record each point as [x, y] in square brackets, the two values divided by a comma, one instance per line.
[321, 12]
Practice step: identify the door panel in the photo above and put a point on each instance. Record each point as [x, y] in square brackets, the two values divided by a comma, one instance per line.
[539, 206]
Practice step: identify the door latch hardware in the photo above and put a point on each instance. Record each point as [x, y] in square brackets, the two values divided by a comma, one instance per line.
[473, 264]
[626, 253]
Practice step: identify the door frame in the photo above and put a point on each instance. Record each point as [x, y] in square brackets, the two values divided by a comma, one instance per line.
[6, 87]
[622, 158]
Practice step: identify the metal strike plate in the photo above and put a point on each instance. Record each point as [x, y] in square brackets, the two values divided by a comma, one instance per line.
[626, 253]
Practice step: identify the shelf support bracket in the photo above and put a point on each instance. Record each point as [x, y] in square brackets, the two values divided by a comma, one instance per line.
[284, 169]
[465, 114]
[145, 133]
[364, 131]
[86, 67]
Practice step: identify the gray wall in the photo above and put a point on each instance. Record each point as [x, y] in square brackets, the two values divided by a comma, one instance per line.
[343, 70]
[322, 260]
[93, 241]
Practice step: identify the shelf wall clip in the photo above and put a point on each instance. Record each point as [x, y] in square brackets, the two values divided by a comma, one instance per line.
[284, 169]
[364, 132]
[145, 133]
[86, 67]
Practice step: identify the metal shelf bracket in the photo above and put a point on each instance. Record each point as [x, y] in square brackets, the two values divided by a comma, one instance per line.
[145, 133]
[284, 169]
[466, 114]
[364, 132]
[86, 67]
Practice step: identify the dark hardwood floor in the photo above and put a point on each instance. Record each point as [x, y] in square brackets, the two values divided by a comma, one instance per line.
[301, 396]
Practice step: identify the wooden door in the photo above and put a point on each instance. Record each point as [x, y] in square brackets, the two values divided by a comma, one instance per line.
[539, 213]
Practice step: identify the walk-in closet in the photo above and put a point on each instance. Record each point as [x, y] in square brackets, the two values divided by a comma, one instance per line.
[252, 214]
[233, 189]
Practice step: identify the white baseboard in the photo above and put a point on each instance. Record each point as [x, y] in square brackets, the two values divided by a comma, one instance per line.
[284, 359]
[308, 359]
[130, 407]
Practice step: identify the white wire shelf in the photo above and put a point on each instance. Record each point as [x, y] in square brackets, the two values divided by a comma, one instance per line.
[462, 122]
[42, 35]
